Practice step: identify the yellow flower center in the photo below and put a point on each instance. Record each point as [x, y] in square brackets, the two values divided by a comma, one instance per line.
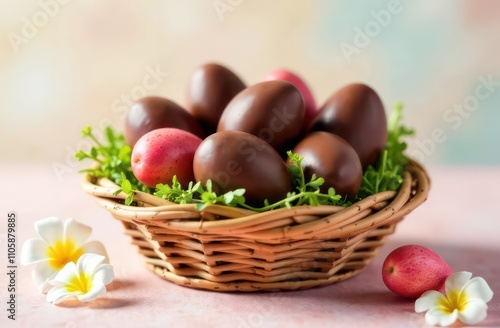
[454, 300]
[81, 283]
[62, 252]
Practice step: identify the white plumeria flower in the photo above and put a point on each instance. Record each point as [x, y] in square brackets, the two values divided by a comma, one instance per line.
[59, 244]
[465, 300]
[85, 280]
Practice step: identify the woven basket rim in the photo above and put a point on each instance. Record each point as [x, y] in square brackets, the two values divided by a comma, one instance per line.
[152, 207]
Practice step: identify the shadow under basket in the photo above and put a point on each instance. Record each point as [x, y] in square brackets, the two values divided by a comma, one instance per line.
[225, 248]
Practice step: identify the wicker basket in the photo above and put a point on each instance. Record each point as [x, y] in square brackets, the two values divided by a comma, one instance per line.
[230, 249]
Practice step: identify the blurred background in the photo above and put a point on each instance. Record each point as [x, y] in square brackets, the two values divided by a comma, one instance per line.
[66, 64]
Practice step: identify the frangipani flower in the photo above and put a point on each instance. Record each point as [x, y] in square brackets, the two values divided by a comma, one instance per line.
[465, 300]
[85, 280]
[59, 244]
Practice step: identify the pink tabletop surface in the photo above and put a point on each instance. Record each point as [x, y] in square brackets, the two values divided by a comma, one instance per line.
[460, 221]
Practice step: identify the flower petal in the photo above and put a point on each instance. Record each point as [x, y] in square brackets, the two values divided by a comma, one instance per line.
[104, 273]
[58, 294]
[97, 290]
[89, 262]
[95, 247]
[49, 229]
[76, 231]
[474, 312]
[432, 317]
[427, 301]
[456, 281]
[34, 251]
[42, 273]
[435, 316]
[477, 288]
[64, 276]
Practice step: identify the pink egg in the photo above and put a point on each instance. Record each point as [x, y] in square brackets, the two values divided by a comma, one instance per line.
[285, 75]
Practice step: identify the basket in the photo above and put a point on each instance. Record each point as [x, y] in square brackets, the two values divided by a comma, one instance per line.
[225, 249]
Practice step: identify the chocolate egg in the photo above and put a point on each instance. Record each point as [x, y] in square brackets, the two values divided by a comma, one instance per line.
[272, 110]
[235, 159]
[309, 102]
[357, 114]
[150, 113]
[332, 158]
[210, 89]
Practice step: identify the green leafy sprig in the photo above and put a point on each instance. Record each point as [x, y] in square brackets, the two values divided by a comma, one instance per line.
[113, 159]
[196, 193]
[307, 193]
[387, 172]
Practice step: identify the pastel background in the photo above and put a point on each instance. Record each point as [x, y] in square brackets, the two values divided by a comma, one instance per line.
[68, 64]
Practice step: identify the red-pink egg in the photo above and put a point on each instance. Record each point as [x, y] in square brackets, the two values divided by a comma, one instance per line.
[162, 153]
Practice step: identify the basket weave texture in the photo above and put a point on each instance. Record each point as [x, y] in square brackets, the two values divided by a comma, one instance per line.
[224, 248]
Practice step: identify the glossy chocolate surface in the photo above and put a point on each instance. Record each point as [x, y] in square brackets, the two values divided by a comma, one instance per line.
[357, 114]
[150, 113]
[234, 159]
[332, 158]
[272, 110]
[210, 89]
